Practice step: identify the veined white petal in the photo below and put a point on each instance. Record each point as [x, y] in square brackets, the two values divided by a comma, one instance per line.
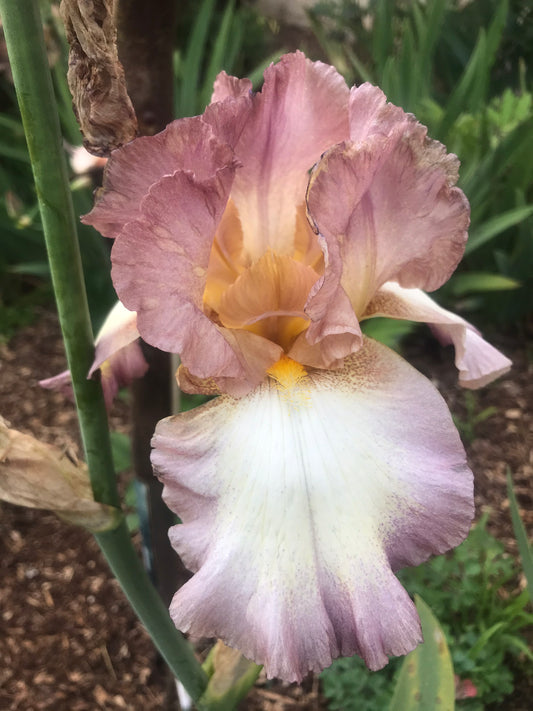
[298, 503]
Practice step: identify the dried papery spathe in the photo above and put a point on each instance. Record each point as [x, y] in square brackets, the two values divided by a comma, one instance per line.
[41, 476]
[96, 77]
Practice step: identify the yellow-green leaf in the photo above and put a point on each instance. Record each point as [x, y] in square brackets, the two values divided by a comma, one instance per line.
[426, 680]
[231, 676]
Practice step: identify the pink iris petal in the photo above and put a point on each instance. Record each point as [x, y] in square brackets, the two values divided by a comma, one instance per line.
[62, 382]
[188, 144]
[301, 110]
[298, 503]
[386, 210]
[117, 354]
[230, 87]
[371, 114]
[255, 355]
[477, 361]
[122, 368]
[160, 265]
[118, 331]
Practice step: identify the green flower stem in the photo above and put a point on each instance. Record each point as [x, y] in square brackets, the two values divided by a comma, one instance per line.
[151, 610]
[25, 43]
[29, 64]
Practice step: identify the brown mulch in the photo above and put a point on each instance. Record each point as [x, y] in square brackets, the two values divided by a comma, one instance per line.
[69, 640]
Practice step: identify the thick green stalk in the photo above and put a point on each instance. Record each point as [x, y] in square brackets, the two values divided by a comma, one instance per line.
[23, 31]
[151, 610]
[29, 64]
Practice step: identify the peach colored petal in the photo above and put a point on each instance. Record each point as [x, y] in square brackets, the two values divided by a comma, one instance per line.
[226, 260]
[477, 361]
[301, 110]
[269, 298]
[307, 248]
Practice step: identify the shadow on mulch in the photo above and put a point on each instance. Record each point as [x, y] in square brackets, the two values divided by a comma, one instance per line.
[69, 640]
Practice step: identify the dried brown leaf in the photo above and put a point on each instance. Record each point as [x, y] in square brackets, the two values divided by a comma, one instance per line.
[41, 476]
[96, 76]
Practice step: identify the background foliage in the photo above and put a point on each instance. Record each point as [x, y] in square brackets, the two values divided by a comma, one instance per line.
[461, 69]
[467, 591]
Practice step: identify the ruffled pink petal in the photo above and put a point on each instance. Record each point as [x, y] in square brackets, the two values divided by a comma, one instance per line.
[160, 265]
[187, 144]
[477, 361]
[298, 503]
[371, 114]
[334, 331]
[301, 110]
[255, 355]
[226, 87]
[387, 209]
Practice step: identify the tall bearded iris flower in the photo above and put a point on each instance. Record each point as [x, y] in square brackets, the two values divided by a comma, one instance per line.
[253, 240]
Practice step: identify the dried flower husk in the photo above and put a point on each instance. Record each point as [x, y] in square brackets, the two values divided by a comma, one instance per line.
[96, 76]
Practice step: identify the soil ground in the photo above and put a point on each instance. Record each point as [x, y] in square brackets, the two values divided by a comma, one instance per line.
[68, 639]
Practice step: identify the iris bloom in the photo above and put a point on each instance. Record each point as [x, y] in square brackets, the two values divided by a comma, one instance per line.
[253, 240]
[117, 356]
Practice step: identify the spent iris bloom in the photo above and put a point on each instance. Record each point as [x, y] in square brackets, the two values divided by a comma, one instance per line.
[253, 240]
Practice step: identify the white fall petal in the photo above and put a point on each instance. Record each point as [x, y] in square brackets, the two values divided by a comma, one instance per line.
[299, 502]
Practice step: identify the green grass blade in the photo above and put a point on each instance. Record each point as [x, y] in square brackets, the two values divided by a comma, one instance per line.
[468, 282]
[495, 226]
[383, 34]
[471, 92]
[256, 75]
[484, 638]
[192, 63]
[432, 29]
[511, 154]
[520, 533]
[409, 71]
[216, 62]
[10, 151]
[495, 31]
[428, 25]
[363, 71]
[468, 93]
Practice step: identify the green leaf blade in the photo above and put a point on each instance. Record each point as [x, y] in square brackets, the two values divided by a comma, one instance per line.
[495, 226]
[426, 680]
[520, 534]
